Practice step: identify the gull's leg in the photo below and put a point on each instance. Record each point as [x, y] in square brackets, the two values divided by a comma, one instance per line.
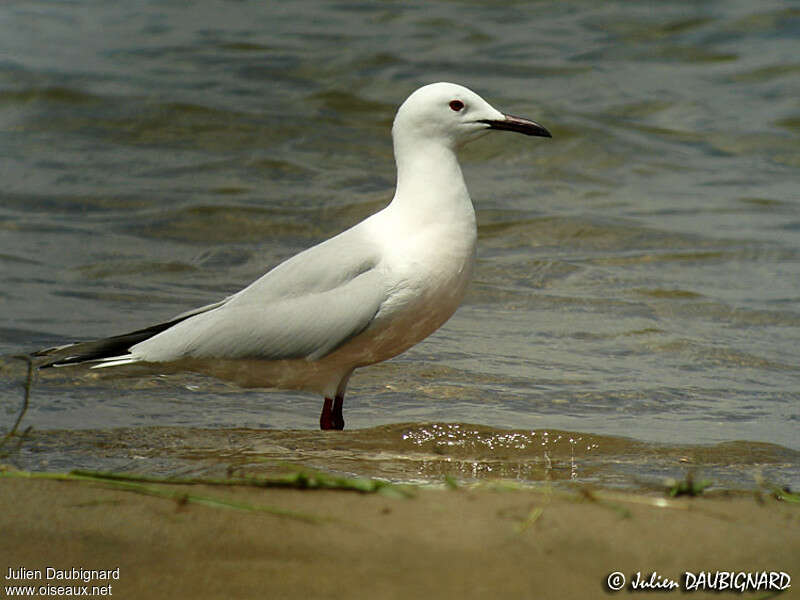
[326, 418]
[338, 418]
[331, 417]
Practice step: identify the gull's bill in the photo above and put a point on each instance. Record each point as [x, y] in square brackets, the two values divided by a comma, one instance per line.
[518, 124]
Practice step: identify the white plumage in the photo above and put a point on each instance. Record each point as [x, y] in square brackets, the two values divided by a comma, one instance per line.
[358, 298]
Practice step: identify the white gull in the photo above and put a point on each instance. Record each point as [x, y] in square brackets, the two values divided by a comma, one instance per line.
[359, 298]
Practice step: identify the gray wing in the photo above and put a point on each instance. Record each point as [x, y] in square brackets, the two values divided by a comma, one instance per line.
[309, 326]
[305, 308]
[321, 268]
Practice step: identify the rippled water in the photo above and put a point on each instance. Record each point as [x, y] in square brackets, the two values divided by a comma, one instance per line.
[638, 280]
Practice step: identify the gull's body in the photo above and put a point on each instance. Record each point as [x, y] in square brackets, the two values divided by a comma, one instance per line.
[361, 297]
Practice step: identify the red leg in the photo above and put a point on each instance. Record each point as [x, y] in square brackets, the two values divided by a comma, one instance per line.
[338, 417]
[326, 418]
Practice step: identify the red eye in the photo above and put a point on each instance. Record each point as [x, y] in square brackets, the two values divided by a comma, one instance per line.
[456, 105]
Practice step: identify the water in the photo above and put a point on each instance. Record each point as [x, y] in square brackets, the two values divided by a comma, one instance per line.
[638, 282]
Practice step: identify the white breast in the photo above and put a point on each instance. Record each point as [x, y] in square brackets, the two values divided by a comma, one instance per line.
[427, 270]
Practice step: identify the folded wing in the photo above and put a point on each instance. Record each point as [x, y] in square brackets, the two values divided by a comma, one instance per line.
[305, 307]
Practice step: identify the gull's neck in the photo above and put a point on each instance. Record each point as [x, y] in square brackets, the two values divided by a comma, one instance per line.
[430, 185]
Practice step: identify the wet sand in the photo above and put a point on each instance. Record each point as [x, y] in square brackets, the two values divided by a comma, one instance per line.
[440, 543]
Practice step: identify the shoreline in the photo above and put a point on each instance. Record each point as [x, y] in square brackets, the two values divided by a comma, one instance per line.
[491, 540]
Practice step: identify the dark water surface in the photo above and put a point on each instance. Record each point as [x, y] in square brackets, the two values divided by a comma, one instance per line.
[638, 283]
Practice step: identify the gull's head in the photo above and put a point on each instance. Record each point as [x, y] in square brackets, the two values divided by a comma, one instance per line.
[453, 115]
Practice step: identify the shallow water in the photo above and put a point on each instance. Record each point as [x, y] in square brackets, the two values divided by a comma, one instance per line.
[638, 276]
[421, 453]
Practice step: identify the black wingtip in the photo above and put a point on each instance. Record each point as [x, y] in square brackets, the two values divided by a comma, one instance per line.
[82, 352]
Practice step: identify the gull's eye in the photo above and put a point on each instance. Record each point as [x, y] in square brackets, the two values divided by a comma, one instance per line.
[456, 105]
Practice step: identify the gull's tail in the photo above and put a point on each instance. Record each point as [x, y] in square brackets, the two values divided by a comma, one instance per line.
[116, 347]
[111, 351]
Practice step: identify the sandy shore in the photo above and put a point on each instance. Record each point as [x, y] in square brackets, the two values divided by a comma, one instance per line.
[464, 543]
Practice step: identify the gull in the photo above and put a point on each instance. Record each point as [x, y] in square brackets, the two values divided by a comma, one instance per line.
[359, 298]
